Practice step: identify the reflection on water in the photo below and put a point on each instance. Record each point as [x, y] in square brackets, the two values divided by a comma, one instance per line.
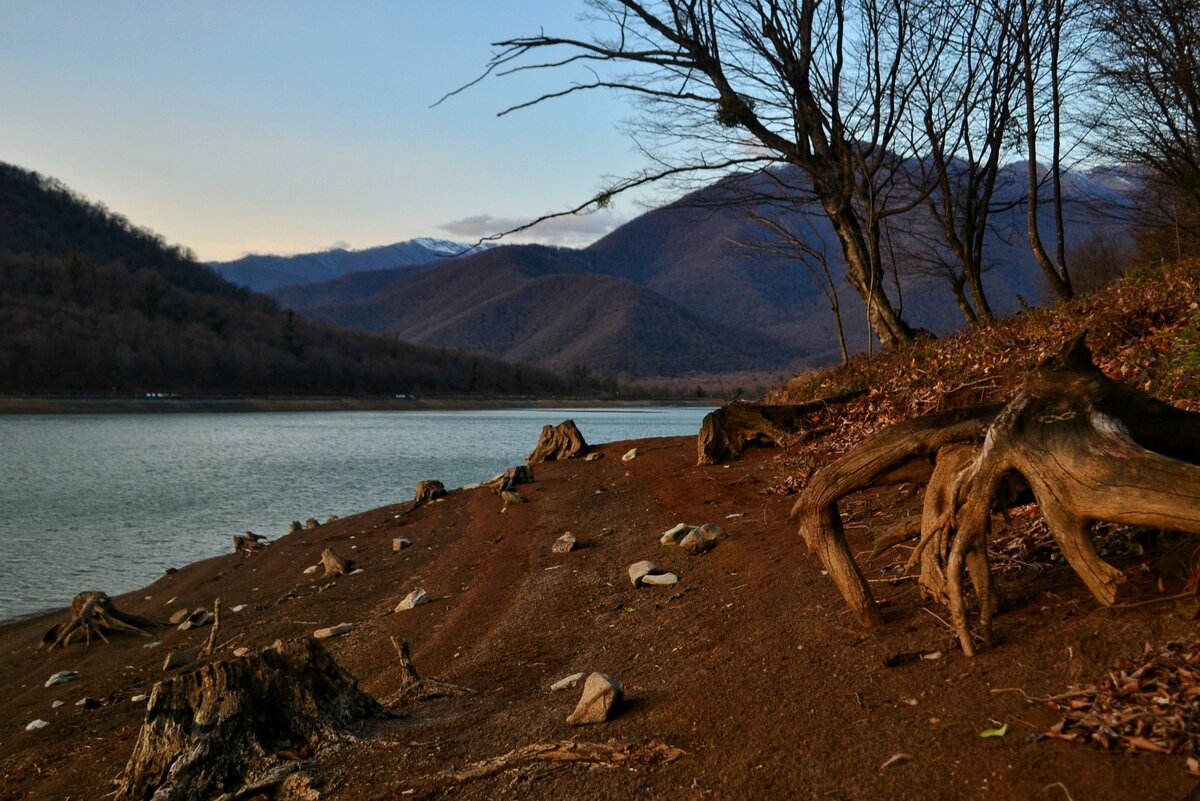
[107, 502]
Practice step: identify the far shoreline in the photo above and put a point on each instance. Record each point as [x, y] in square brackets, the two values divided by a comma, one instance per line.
[190, 405]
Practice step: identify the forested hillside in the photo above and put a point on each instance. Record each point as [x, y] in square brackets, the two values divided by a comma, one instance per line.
[90, 303]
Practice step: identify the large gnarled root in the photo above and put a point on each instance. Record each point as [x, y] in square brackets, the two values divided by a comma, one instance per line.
[1088, 448]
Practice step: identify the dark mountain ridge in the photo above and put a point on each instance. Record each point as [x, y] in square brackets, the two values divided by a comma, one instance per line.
[89, 303]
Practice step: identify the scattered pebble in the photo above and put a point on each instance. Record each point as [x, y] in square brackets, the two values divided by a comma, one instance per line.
[356, 570]
[400, 543]
[334, 631]
[36, 724]
[639, 570]
[564, 544]
[600, 695]
[630, 455]
[238, 608]
[87, 702]
[895, 759]
[568, 683]
[56, 704]
[241, 651]
[593, 456]
[62, 677]
[308, 571]
[660, 579]
[673, 535]
[198, 618]
[933, 655]
[178, 617]
[413, 599]
[139, 698]
[168, 603]
[702, 539]
[154, 644]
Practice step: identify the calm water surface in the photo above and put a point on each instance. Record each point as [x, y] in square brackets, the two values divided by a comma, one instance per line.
[109, 502]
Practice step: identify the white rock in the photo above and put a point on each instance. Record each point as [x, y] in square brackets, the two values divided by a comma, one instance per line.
[154, 644]
[139, 698]
[673, 535]
[334, 631]
[639, 570]
[241, 651]
[308, 571]
[413, 599]
[62, 677]
[36, 724]
[568, 683]
[593, 456]
[238, 608]
[600, 695]
[356, 571]
[56, 704]
[630, 455]
[660, 579]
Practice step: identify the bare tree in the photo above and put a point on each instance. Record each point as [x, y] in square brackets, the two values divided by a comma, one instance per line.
[823, 85]
[1149, 65]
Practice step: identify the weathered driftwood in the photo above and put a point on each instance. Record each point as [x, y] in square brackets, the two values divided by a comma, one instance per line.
[727, 431]
[562, 441]
[1089, 449]
[94, 613]
[232, 726]
[335, 565]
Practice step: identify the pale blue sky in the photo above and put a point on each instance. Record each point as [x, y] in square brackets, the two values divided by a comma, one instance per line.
[286, 126]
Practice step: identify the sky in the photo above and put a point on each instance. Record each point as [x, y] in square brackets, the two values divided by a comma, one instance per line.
[286, 126]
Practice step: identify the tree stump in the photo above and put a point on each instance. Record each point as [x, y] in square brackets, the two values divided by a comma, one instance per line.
[562, 441]
[335, 565]
[727, 431]
[427, 490]
[232, 728]
[94, 613]
[1089, 449]
[247, 543]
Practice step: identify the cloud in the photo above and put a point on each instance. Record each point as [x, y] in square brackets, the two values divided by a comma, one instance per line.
[575, 230]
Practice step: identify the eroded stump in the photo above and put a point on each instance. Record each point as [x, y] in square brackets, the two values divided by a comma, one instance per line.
[235, 727]
[727, 431]
[562, 441]
[94, 613]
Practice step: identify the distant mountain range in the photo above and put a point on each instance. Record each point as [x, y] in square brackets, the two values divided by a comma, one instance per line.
[676, 291]
[265, 272]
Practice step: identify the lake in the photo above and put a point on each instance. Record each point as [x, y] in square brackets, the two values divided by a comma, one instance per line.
[108, 502]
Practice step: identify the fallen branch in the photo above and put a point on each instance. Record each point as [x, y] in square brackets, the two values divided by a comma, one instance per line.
[414, 687]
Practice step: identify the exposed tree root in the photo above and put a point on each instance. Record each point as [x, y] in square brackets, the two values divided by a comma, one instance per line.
[562, 752]
[727, 431]
[94, 613]
[1089, 449]
[414, 687]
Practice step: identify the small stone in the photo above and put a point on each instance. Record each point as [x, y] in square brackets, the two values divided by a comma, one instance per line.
[87, 702]
[413, 599]
[400, 543]
[178, 658]
[564, 544]
[168, 603]
[56, 704]
[639, 570]
[334, 631]
[356, 571]
[933, 655]
[241, 651]
[36, 724]
[139, 698]
[308, 571]
[600, 695]
[673, 535]
[178, 617]
[62, 677]
[154, 644]
[702, 539]
[660, 579]
[568, 683]
[630, 455]
[238, 608]
[593, 456]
